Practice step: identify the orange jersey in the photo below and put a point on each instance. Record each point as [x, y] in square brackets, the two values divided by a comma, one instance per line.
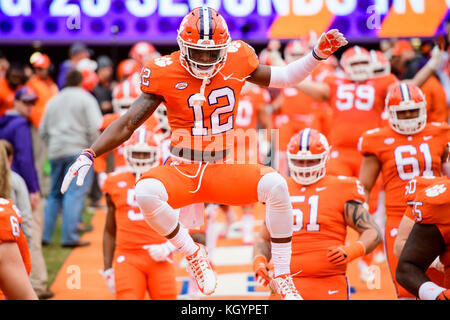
[298, 111]
[413, 187]
[6, 96]
[319, 222]
[434, 208]
[250, 103]
[356, 105]
[246, 142]
[10, 231]
[45, 90]
[403, 157]
[195, 126]
[132, 232]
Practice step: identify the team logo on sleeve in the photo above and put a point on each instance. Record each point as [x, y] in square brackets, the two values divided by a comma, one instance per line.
[435, 190]
[163, 61]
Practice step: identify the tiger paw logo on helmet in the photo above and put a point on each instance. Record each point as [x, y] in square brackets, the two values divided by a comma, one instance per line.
[435, 190]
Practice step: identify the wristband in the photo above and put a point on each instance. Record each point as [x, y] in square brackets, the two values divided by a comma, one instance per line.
[354, 250]
[89, 153]
[316, 56]
[258, 260]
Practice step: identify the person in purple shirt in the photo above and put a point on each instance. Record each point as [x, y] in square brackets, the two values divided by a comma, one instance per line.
[15, 128]
[77, 52]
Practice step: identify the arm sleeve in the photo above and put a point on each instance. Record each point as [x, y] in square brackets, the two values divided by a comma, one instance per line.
[293, 73]
[23, 162]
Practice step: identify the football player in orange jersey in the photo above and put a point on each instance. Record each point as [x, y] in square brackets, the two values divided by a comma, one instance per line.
[15, 265]
[142, 52]
[200, 86]
[141, 256]
[429, 239]
[409, 147]
[324, 205]
[414, 186]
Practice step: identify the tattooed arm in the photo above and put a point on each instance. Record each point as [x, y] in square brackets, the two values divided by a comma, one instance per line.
[360, 220]
[120, 130]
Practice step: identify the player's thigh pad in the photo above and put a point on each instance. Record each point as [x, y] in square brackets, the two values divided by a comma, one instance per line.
[273, 191]
[151, 195]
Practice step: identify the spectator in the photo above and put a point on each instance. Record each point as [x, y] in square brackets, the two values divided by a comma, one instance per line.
[14, 187]
[77, 52]
[70, 124]
[14, 79]
[15, 128]
[4, 65]
[43, 84]
[405, 61]
[103, 90]
[18, 132]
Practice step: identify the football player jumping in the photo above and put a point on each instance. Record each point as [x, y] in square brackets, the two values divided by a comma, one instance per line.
[200, 86]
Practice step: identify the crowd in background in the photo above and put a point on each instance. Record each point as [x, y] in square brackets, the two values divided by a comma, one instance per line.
[35, 110]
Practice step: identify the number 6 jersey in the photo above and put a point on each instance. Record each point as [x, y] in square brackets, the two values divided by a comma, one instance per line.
[197, 126]
[403, 157]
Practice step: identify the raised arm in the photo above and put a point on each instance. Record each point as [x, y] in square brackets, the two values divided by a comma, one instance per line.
[428, 69]
[117, 133]
[295, 72]
[120, 130]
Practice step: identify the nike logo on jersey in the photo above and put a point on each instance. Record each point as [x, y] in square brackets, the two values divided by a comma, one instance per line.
[426, 138]
[320, 189]
[227, 77]
[330, 292]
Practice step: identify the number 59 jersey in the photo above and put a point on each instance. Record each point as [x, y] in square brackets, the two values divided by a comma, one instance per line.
[132, 232]
[319, 222]
[196, 126]
[403, 157]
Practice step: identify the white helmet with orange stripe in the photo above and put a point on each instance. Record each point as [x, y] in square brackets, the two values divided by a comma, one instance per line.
[142, 151]
[356, 63]
[380, 63]
[407, 108]
[307, 153]
[124, 95]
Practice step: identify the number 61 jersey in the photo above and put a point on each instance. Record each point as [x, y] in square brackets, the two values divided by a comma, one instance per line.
[197, 126]
[403, 157]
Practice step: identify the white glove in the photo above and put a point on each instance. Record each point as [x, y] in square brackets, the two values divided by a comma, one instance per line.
[160, 252]
[108, 275]
[436, 57]
[328, 43]
[80, 167]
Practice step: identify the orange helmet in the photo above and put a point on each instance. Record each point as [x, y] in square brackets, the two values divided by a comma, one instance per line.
[123, 96]
[403, 97]
[40, 60]
[356, 62]
[380, 63]
[142, 151]
[143, 51]
[308, 145]
[126, 68]
[203, 39]
[296, 49]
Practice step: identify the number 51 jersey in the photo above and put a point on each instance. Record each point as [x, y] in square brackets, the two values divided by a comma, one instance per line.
[403, 157]
[198, 126]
